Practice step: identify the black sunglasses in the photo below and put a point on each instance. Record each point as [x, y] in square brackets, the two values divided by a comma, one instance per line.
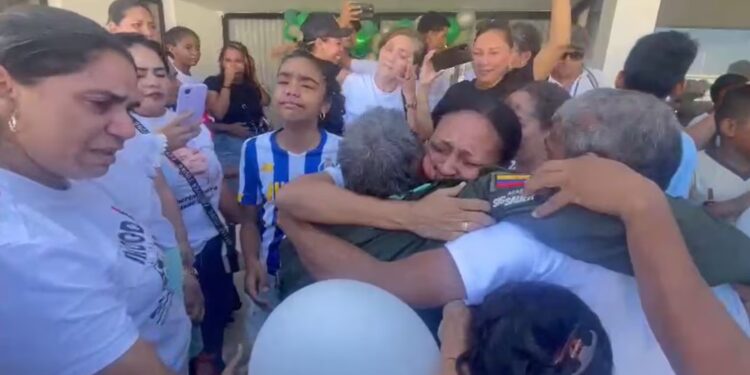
[573, 55]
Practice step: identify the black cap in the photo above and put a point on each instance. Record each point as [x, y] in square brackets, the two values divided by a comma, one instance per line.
[322, 25]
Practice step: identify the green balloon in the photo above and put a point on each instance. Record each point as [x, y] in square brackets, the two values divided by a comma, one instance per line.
[404, 24]
[301, 18]
[287, 33]
[368, 28]
[361, 50]
[290, 16]
[454, 30]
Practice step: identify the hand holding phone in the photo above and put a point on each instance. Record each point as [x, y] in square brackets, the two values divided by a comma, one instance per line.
[450, 57]
[192, 98]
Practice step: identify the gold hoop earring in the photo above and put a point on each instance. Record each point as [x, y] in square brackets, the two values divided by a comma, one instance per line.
[13, 123]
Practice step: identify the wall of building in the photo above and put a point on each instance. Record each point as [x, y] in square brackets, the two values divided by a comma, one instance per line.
[721, 14]
[204, 20]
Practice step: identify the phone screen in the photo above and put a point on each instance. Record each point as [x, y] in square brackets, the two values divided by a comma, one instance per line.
[451, 57]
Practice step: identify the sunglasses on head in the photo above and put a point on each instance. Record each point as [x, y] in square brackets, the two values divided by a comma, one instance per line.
[573, 55]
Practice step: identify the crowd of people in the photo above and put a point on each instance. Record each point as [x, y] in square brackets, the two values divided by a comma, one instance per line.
[536, 221]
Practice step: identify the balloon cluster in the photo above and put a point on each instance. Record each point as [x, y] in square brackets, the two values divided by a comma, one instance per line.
[363, 43]
[293, 20]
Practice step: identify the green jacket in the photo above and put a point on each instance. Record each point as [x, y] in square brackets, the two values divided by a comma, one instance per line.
[720, 251]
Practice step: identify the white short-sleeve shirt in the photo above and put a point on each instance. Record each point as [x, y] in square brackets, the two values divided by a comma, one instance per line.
[362, 94]
[136, 168]
[504, 253]
[710, 175]
[198, 225]
[437, 91]
[82, 281]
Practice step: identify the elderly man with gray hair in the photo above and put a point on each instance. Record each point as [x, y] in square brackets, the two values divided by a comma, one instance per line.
[635, 129]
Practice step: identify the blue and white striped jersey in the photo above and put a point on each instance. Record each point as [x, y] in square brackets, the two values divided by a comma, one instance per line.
[264, 168]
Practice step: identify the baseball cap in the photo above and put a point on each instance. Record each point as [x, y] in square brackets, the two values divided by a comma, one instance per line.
[579, 39]
[322, 25]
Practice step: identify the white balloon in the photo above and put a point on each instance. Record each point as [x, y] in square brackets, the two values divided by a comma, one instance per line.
[466, 19]
[343, 327]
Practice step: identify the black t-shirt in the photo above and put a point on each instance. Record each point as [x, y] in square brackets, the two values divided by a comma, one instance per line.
[334, 121]
[244, 102]
[512, 81]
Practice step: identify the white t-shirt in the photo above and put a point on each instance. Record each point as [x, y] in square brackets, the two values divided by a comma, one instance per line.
[184, 78]
[588, 80]
[437, 90]
[362, 94]
[710, 174]
[130, 184]
[198, 225]
[81, 281]
[504, 253]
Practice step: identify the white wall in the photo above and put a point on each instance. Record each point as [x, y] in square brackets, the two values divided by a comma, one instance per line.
[205, 21]
[618, 32]
[94, 9]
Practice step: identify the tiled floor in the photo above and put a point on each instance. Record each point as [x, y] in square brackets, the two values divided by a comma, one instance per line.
[235, 333]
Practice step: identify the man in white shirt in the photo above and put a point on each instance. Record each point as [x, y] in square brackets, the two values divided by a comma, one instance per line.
[474, 265]
[570, 72]
[722, 178]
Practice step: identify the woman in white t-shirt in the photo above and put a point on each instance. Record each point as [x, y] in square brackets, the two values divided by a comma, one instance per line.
[393, 85]
[84, 282]
[199, 158]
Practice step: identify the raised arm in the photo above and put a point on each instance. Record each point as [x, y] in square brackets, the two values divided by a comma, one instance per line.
[441, 216]
[703, 132]
[560, 27]
[695, 331]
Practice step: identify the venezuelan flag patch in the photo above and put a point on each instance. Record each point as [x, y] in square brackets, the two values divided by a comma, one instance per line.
[510, 181]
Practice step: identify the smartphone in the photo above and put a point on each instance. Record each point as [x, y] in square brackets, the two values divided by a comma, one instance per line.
[450, 57]
[192, 98]
[368, 11]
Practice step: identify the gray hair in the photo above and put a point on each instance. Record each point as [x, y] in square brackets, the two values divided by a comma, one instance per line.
[634, 128]
[379, 155]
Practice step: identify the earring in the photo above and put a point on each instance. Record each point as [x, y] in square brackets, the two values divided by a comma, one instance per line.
[13, 123]
[322, 116]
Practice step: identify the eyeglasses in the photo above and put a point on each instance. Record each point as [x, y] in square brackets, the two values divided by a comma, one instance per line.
[573, 55]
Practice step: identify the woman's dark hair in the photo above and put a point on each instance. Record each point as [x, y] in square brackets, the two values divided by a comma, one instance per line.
[495, 25]
[118, 8]
[132, 39]
[548, 98]
[329, 71]
[526, 38]
[37, 42]
[503, 119]
[174, 35]
[530, 328]
[250, 72]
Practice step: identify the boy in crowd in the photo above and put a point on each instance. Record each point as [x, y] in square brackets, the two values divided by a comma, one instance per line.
[703, 128]
[658, 65]
[722, 178]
